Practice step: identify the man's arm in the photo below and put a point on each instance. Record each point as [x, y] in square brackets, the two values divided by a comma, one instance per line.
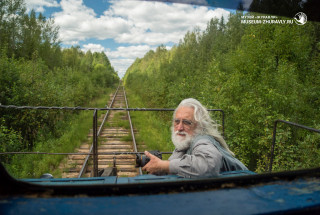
[156, 166]
[204, 161]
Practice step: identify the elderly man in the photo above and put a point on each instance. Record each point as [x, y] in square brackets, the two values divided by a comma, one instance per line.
[200, 150]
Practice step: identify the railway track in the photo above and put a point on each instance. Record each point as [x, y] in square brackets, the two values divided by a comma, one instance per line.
[115, 136]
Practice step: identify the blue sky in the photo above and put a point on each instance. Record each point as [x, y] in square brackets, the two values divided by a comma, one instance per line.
[124, 30]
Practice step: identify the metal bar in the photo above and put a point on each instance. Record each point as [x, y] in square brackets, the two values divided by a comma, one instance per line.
[105, 108]
[95, 154]
[77, 153]
[91, 108]
[275, 132]
[85, 163]
[91, 150]
[84, 166]
[131, 128]
[95, 144]
[222, 112]
[86, 160]
[273, 144]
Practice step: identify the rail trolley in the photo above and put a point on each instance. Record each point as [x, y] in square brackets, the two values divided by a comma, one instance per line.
[235, 192]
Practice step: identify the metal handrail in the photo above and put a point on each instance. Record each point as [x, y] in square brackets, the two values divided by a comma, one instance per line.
[91, 108]
[76, 153]
[275, 132]
[95, 131]
[95, 144]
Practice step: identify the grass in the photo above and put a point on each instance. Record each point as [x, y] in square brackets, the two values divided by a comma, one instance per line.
[152, 130]
[121, 120]
[126, 138]
[74, 131]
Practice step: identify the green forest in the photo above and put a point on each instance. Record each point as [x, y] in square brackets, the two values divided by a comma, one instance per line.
[36, 71]
[255, 73]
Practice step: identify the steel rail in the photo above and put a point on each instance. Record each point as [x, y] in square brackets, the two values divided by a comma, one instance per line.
[131, 128]
[92, 148]
[105, 117]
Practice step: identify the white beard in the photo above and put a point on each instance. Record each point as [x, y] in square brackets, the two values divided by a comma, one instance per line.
[181, 142]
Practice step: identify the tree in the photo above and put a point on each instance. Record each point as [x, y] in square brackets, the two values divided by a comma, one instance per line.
[11, 15]
[255, 73]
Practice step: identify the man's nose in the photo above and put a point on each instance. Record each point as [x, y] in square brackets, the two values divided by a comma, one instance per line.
[180, 126]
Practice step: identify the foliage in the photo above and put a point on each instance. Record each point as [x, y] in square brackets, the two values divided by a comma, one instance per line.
[255, 73]
[153, 132]
[36, 71]
[72, 132]
[10, 140]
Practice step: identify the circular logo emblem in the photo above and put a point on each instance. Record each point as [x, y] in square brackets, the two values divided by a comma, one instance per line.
[300, 18]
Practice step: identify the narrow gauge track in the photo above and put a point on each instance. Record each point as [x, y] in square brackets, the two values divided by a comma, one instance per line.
[115, 135]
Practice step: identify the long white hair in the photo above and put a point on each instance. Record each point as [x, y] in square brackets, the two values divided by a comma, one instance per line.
[205, 125]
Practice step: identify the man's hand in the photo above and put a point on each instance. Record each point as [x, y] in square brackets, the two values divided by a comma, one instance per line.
[156, 166]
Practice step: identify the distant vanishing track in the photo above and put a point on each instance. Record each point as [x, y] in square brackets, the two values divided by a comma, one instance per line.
[115, 136]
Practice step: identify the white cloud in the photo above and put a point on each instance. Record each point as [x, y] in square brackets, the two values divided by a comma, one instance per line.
[93, 48]
[137, 26]
[38, 5]
[132, 22]
[123, 57]
[157, 22]
[121, 65]
[78, 22]
[129, 52]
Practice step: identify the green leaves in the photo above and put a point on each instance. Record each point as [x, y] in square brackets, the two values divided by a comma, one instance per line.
[10, 140]
[255, 73]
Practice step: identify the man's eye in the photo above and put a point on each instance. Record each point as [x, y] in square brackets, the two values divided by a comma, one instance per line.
[187, 122]
[177, 121]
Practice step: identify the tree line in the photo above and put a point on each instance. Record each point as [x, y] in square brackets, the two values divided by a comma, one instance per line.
[36, 71]
[255, 73]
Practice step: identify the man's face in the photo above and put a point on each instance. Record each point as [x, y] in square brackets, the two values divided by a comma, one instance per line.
[184, 121]
[183, 128]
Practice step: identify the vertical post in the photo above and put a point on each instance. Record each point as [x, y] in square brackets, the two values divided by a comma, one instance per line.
[222, 123]
[274, 136]
[273, 143]
[95, 143]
